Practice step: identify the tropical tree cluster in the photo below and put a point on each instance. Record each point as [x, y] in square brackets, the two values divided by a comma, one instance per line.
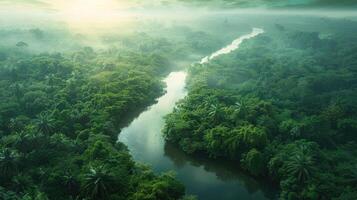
[60, 115]
[284, 106]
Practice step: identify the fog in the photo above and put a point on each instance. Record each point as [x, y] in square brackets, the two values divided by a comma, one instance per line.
[58, 26]
[259, 94]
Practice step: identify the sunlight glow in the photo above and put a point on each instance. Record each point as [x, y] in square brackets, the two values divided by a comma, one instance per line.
[92, 13]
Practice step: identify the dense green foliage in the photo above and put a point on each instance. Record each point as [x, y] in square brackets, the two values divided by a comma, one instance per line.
[284, 105]
[60, 115]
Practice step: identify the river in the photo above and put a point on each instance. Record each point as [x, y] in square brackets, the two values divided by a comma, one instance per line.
[207, 179]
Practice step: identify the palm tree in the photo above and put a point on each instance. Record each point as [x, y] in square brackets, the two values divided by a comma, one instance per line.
[20, 182]
[301, 166]
[14, 125]
[75, 114]
[25, 142]
[215, 111]
[19, 141]
[71, 184]
[8, 163]
[240, 108]
[45, 123]
[248, 133]
[233, 143]
[97, 183]
[209, 101]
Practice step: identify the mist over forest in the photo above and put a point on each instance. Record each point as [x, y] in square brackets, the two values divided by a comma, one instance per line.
[178, 99]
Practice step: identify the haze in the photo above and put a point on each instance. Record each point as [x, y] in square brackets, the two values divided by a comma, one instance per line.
[178, 99]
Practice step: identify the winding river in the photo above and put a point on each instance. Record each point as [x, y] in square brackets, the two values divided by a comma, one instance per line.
[207, 179]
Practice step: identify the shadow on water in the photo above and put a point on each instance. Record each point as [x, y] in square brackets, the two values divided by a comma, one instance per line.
[133, 114]
[206, 178]
[225, 170]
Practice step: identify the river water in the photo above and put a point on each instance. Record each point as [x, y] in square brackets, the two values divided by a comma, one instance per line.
[207, 179]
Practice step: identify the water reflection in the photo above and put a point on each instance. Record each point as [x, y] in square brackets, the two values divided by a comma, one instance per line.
[143, 136]
[233, 46]
[225, 172]
[208, 179]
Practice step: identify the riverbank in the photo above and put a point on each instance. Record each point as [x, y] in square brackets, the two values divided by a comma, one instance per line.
[146, 144]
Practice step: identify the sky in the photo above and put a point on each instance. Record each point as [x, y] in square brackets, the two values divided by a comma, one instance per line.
[61, 4]
[282, 3]
[79, 12]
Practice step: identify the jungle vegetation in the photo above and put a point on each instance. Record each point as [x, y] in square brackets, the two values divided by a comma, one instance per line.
[61, 113]
[283, 106]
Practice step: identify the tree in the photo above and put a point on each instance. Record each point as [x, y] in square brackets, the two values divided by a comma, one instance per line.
[215, 112]
[7, 195]
[45, 123]
[233, 143]
[254, 162]
[333, 113]
[215, 139]
[96, 185]
[253, 136]
[240, 108]
[18, 124]
[301, 166]
[8, 163]
[165, 187]
[35, 102]
[71, 184]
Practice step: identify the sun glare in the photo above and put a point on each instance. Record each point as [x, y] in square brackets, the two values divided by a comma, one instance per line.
[84, 13]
